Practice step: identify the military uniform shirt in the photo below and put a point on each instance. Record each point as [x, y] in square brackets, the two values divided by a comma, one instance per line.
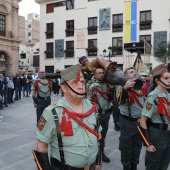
[43, 88]
[135, 108]
[76, 150]
[150, 109]
[102, 103]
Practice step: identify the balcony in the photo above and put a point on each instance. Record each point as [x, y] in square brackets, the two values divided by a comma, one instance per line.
[6, 33]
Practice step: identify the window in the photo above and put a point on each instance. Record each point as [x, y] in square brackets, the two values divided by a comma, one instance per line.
[50, 8]
[117, 44]
[29, 26]
[92, 47]
[49, 50]
[29, 34]
[92, 25]
[69, 28]
[49, 69]
[2, 25]
[23, 56]
[36, 61]
[145, 38]
[66, 66]
[69, 52]
[117, 23]
[145, 20]
[49, 32]
[69, 4]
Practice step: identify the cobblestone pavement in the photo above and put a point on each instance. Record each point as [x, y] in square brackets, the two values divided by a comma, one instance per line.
[17, 139]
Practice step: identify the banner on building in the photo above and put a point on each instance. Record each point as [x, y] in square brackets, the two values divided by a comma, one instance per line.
[130, 22]
[81, 38]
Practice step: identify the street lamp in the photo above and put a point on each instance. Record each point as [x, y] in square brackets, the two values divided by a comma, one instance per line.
[111, 53]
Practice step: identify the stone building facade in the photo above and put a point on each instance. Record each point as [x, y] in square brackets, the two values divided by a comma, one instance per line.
[9, 38]
[74, 28]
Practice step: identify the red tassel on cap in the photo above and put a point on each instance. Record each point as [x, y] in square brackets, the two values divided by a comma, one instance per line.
[69, 129]
[78, 76]
[63, 122]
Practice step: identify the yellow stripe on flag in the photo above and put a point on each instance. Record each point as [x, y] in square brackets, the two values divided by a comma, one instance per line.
[127, 22]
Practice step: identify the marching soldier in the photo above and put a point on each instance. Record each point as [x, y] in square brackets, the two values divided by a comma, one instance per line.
[69, 126]
[130, 104]
[41, 94]
[100, 95]
[156, 138]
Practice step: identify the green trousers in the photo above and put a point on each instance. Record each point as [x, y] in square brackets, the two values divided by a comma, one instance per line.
[130, 142]
[160, 159]
[41, 105]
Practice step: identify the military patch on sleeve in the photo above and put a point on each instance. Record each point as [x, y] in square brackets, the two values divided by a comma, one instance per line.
[148, 106]
[41, 123]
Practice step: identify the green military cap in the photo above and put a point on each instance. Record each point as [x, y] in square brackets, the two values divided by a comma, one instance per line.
[73, 72]
[159, 70]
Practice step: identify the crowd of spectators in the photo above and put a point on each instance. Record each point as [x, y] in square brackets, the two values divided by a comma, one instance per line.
[14, 87]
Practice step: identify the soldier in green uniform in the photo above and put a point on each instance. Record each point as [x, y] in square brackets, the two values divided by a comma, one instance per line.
[74, 143]
[100, 95]
[41, 94]
[157, 109]
[130, 104]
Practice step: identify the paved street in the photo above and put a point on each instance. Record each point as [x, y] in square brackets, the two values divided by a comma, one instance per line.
[17, 139]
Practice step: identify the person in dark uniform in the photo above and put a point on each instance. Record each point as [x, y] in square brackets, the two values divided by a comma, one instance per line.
[156, 138]
[29, 84]
[131, 102]
[100, 95]
[41, 94]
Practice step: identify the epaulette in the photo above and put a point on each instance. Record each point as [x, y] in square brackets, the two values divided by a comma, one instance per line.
[155, 96]
[54, 105]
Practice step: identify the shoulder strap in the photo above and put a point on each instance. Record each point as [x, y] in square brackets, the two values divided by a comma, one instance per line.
[60, 143]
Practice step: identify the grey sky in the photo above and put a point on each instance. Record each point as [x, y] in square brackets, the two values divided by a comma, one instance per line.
[27, 7]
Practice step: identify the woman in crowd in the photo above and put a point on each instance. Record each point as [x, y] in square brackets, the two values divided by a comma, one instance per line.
[156, 136]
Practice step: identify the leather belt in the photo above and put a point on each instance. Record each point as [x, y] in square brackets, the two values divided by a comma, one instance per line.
[161, 126]
[59, 165]
[43, 98]
[130, 118]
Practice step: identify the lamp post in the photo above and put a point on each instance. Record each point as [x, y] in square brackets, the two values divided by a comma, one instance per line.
[112, 52]
[104, 54]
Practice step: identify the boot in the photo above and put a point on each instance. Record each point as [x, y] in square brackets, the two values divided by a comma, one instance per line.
[117, 128]
[105, 158]
[133, 166]
[126, 167]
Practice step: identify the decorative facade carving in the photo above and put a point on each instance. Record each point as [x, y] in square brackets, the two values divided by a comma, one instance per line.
[3, 9]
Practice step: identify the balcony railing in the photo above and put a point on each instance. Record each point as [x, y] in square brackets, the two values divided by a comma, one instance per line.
[6, 33]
